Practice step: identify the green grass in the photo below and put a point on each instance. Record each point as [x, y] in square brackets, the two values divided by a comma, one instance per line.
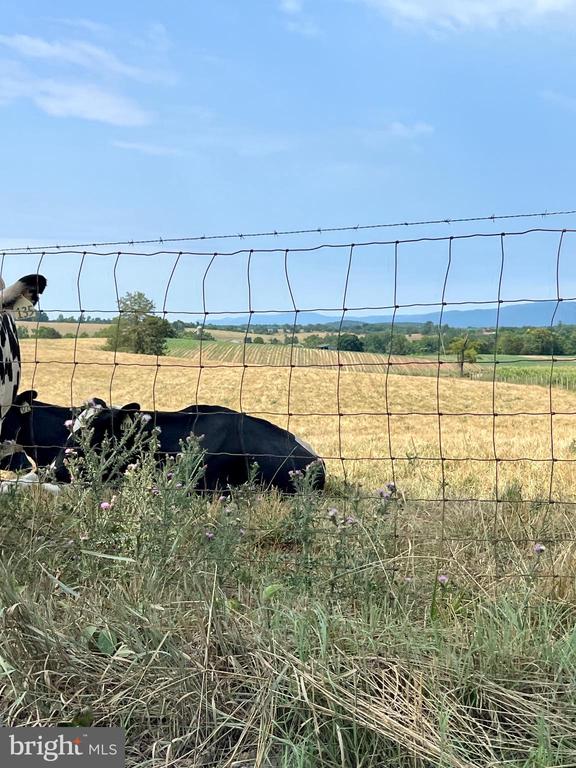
[515, 369]
[301, 632]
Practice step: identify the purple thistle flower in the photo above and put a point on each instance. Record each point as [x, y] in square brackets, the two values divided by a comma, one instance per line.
[105, 505]
[391, 487]
[221, 498]
[170, 475]
[442, 579]
[69, 423]
[384, 494]
[70, 451]
[209, 535]
[350, 520]
[179, 485]
[539, 548]
[332, 512]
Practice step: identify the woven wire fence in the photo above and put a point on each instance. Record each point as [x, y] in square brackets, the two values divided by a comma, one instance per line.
[452, 454]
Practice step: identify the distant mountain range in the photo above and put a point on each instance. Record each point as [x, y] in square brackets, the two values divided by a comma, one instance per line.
[534, 313]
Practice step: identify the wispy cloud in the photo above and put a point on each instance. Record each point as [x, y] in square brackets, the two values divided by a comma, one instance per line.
[465, 14]
[296, 20]
[68, 99]
[154, 150]
[291, 6]
[560, 99]
[75, 52]
[77, 78]
[395, 131]
[86, 25]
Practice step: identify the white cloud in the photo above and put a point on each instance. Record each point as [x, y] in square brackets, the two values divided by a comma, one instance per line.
[560, 99]
[291, 6]
[154, 150]
[75, 52]
[89, 102]
[297, 21]
[54, 77]
[303, 27]
[395, 130]
[462, 14]
[63, 99]
[86, 25]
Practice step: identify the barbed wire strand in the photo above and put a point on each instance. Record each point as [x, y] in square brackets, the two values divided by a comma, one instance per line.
[301, 231]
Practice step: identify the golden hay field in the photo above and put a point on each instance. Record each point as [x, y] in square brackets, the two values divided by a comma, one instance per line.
[64, 371]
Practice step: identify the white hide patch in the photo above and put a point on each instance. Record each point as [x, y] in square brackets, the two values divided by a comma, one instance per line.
[28, 481]
[304, 444]
[84, 418]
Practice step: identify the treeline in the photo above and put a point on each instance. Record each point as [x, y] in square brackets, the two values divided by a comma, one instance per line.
[139, 329]
[506, 341]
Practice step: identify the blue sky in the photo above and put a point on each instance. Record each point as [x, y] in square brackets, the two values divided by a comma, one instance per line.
[182, 118]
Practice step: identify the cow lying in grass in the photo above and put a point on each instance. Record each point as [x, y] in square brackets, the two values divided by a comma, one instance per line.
[36, 431]
[233, 443]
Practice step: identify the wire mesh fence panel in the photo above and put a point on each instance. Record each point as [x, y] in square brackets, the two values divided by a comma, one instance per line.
[434, 375]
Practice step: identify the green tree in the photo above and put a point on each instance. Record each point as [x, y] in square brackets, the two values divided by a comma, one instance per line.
[137, 329]
[377, 342]
[258, 340]
[313, 341]
[510, 343]
[45, 332]
[541, 341]
[350, 342]
[465, 350]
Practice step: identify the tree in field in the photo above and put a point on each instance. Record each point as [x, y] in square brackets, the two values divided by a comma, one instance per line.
[136, 329]
[312, 341]
[350, 342]
[510, 343]
[45, 332]
[258, 340]
[465, 350]
[377, 342]
[542, 341]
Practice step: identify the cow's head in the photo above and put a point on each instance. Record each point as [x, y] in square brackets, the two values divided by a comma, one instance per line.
[16, 431]
[18, 419]
[27, 288]
[105, 425]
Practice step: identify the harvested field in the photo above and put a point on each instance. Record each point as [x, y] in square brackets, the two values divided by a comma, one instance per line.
[365, 417]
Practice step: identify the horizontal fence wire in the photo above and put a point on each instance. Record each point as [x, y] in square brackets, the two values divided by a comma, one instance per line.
[310, 231]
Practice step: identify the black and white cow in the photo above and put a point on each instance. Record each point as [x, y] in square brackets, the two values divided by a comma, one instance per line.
[20, 296]
[233, 443]
[35, 430]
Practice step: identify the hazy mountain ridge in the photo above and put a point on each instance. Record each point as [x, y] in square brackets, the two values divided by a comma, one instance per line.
[536, 313]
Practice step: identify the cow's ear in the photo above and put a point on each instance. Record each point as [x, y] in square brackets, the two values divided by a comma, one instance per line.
[131, 408]
[97, 401]
[26, 398]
